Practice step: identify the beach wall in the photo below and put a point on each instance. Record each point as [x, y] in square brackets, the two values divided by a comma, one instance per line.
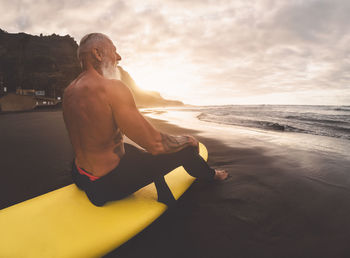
[14, 102]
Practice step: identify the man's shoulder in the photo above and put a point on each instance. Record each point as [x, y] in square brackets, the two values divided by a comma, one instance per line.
[117, 87]
[119, 94]
[68, 88]
[115, 83]
[71, 84]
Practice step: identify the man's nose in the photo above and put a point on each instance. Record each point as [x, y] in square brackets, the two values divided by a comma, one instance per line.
[118, 57]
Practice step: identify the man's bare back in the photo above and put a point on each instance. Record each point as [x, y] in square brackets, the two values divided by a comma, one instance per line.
[95, 136]
[98, 110]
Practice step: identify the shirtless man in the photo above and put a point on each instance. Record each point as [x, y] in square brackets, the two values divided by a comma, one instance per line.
[98, 109]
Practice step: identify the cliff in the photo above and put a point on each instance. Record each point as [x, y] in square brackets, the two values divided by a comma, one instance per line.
[49, 63]
[37, 62]
[145, 98]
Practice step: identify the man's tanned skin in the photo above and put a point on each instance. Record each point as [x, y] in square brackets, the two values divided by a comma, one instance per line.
[98, 111]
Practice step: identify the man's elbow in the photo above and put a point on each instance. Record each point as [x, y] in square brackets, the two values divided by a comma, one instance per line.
[155, 144]
[155, 149]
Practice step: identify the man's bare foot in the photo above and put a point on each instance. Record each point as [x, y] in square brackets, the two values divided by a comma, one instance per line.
[220, 175]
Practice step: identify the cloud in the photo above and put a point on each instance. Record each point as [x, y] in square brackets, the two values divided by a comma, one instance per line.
[211, 50]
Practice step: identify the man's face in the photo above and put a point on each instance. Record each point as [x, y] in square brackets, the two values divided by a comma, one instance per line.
[111, 53]
[116, 56]
[109, 63]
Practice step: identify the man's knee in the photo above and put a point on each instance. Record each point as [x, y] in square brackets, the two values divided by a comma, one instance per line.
[191, 150]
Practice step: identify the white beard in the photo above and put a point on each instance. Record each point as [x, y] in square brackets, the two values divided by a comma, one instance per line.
[110, 71]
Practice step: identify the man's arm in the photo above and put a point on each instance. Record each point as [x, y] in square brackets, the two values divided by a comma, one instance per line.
[137, 128]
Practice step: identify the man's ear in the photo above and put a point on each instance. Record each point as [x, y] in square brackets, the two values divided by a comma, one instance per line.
[97, 54]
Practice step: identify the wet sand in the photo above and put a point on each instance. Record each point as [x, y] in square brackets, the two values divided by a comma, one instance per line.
[269, 207]
[276, 203]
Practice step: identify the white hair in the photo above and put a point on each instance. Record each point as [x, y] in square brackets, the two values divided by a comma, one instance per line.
[90, 41]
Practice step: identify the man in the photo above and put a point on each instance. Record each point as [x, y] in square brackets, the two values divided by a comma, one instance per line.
[98, 109]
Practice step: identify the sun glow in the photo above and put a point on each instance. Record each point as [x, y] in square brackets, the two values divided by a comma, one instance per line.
[171, 81]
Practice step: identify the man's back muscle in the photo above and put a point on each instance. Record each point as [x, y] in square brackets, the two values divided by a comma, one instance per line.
[96, 140]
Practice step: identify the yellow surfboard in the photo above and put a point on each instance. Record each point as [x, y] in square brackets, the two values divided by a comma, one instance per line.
[63, 223]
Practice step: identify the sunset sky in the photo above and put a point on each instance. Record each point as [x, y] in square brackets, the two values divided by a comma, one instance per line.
[212, 52]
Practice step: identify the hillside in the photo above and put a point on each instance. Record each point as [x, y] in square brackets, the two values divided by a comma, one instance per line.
[49, 63]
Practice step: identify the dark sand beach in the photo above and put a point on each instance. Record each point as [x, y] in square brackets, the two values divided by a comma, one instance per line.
[278, 201]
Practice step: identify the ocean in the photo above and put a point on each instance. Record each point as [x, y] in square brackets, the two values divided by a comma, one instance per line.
[331, 121]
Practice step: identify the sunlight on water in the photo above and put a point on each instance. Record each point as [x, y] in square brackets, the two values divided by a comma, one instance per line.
[322, 158]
